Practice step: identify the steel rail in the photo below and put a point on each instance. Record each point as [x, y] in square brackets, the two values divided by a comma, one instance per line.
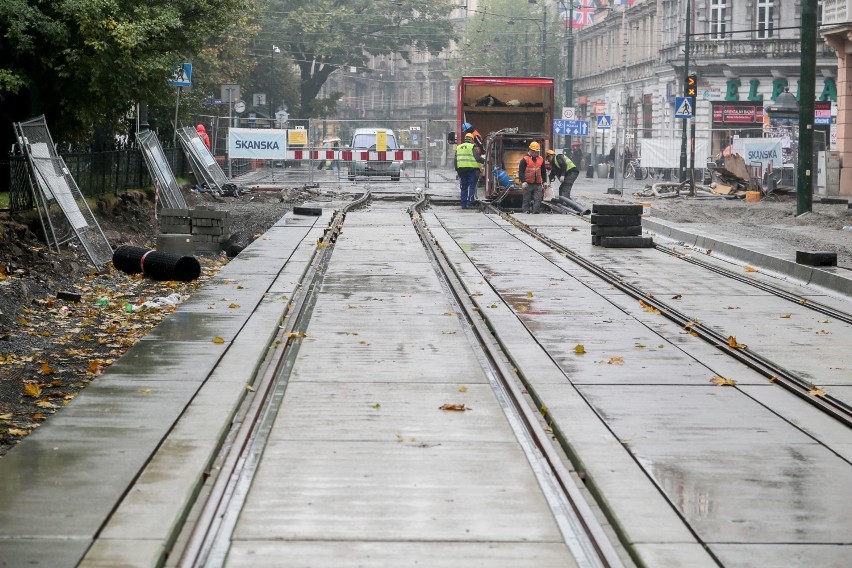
[772, 371]
[239, 453]
[765, 286]
[598, 543]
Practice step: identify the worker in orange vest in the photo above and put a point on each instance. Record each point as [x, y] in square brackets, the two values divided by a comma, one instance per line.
[533, 178]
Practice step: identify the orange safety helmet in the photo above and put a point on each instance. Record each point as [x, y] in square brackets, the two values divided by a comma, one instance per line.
[535, 146]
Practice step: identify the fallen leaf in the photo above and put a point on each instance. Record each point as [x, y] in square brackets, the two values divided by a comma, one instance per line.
[579, 349]
[17, 432]
[732, 342]
[46, 404]
[615, 361]
[639, 346]
[377, 406]
[750, 269]
[32, 389]
[455, 407]
[47, 369]
[824, 321]
[449, 314]
[218, 340]
[146, 391]
[823, 332]
[678, 297]
[462, 389]
[721, 381]
[817, 392]
[232, 306]
[573, 229]
[7, 416]
[732, 308]
[786, 316]
[529, 294]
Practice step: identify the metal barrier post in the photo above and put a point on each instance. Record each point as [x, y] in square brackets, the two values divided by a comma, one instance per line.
[424, 142]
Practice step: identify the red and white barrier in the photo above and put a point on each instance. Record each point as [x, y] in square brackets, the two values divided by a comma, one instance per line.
[354, 155]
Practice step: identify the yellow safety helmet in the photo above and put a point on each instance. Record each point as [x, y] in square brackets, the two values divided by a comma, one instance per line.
[535, 146]
[468, 136]
[551, 153]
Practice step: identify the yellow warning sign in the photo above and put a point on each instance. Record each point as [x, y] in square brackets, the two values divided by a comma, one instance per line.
[297, 136]
[381, 140]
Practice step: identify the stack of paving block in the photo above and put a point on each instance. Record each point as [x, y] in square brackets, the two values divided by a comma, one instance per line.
[618, 226]
[187, 232]
[175, 232]
[210, 228]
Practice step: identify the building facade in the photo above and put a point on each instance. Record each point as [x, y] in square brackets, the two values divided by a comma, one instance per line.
[631, 65]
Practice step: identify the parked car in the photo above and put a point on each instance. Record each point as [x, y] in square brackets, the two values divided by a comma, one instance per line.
[365, 139]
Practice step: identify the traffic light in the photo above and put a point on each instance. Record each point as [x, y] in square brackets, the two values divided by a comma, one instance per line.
[691, 87]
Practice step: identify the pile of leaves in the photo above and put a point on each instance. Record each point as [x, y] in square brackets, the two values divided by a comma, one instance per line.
[62, 322]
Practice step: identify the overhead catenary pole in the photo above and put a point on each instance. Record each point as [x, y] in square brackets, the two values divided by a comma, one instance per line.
[543, 37]
[177, 106]
[569, 64]
[807, 92]
[685, 73]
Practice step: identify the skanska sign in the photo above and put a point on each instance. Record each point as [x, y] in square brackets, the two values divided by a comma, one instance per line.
[252, 143]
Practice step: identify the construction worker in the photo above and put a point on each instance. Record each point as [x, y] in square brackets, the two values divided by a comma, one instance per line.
[562, 167]
[467, 128]
[466, 164]
[533, 178]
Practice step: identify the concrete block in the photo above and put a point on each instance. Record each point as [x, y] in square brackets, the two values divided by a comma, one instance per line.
[179, 244]
[627, 242]
[816, 258]
[604, 231]
[618, 220]
[616, 209]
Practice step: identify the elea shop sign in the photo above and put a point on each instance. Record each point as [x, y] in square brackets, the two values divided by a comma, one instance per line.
[253, 143]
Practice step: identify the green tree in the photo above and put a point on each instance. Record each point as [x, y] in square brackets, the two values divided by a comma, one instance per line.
[322, 36]
[505, 38]
[85, 63]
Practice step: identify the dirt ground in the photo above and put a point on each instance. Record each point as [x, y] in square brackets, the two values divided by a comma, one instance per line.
[52, 347]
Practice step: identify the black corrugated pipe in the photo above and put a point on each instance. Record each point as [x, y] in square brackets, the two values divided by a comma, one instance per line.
[237, 242]
[156, 265]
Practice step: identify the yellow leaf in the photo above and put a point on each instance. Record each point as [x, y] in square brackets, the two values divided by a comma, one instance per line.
[579, 349]
[773, 378]
[648, 308]
[47, 369]
[824, 321]
[455, 406]
[823, 332]
[46, 404]
[529, 294]
[543, 409]
[17, 432]
[817, 392]
[232, 306]
[463, 389]
[32, 389]
[639, 346]
[218, 340]
[803, 301]
[377, 406]
[523, 309]
[7, 416]
[732, 342]
[661, 345]
[363, 342]
[449, 314]
[786, 316]
[750, 269]
[146, 391]
[615, 361]
[721, 381]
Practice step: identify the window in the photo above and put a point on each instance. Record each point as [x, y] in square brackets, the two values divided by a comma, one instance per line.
[765, 11]
[718, 18]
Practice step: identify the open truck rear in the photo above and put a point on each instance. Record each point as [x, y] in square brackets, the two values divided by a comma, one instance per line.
[509, 113]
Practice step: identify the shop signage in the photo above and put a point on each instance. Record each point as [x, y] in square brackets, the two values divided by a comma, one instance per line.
[736, 114]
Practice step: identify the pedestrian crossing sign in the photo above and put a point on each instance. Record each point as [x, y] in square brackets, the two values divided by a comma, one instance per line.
[684, 107]
[604, 122]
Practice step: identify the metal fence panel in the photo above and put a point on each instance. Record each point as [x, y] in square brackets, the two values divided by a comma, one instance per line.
[168, 191]
[58, 192]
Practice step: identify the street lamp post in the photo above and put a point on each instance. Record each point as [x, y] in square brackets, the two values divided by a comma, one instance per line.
[275, 50]
[543, 30]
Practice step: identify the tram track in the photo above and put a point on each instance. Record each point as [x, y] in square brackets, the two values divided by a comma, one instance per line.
[774, 372]
[583, 532]
[205, 541]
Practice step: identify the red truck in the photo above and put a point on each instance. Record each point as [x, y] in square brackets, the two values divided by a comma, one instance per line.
[509, 113]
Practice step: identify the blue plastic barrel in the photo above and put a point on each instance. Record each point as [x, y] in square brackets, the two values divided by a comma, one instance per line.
[502, 177]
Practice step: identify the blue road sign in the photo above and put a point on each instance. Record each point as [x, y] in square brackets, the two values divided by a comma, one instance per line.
[181, 75]
[571, 127]
[683, 107]
[604, 122]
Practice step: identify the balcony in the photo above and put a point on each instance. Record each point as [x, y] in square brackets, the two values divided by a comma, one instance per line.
[747, 51]
[835, 12]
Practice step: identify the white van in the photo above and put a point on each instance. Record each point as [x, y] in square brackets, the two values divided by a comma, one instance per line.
[365, 139]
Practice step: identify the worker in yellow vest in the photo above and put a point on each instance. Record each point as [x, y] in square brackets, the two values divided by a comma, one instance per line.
[466, 164]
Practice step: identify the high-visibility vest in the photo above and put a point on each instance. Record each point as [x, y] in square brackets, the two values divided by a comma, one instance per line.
[464, 157]
[532, 173]
[564, 165]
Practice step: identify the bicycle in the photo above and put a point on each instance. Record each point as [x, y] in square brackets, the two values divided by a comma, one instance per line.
[635, 170]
